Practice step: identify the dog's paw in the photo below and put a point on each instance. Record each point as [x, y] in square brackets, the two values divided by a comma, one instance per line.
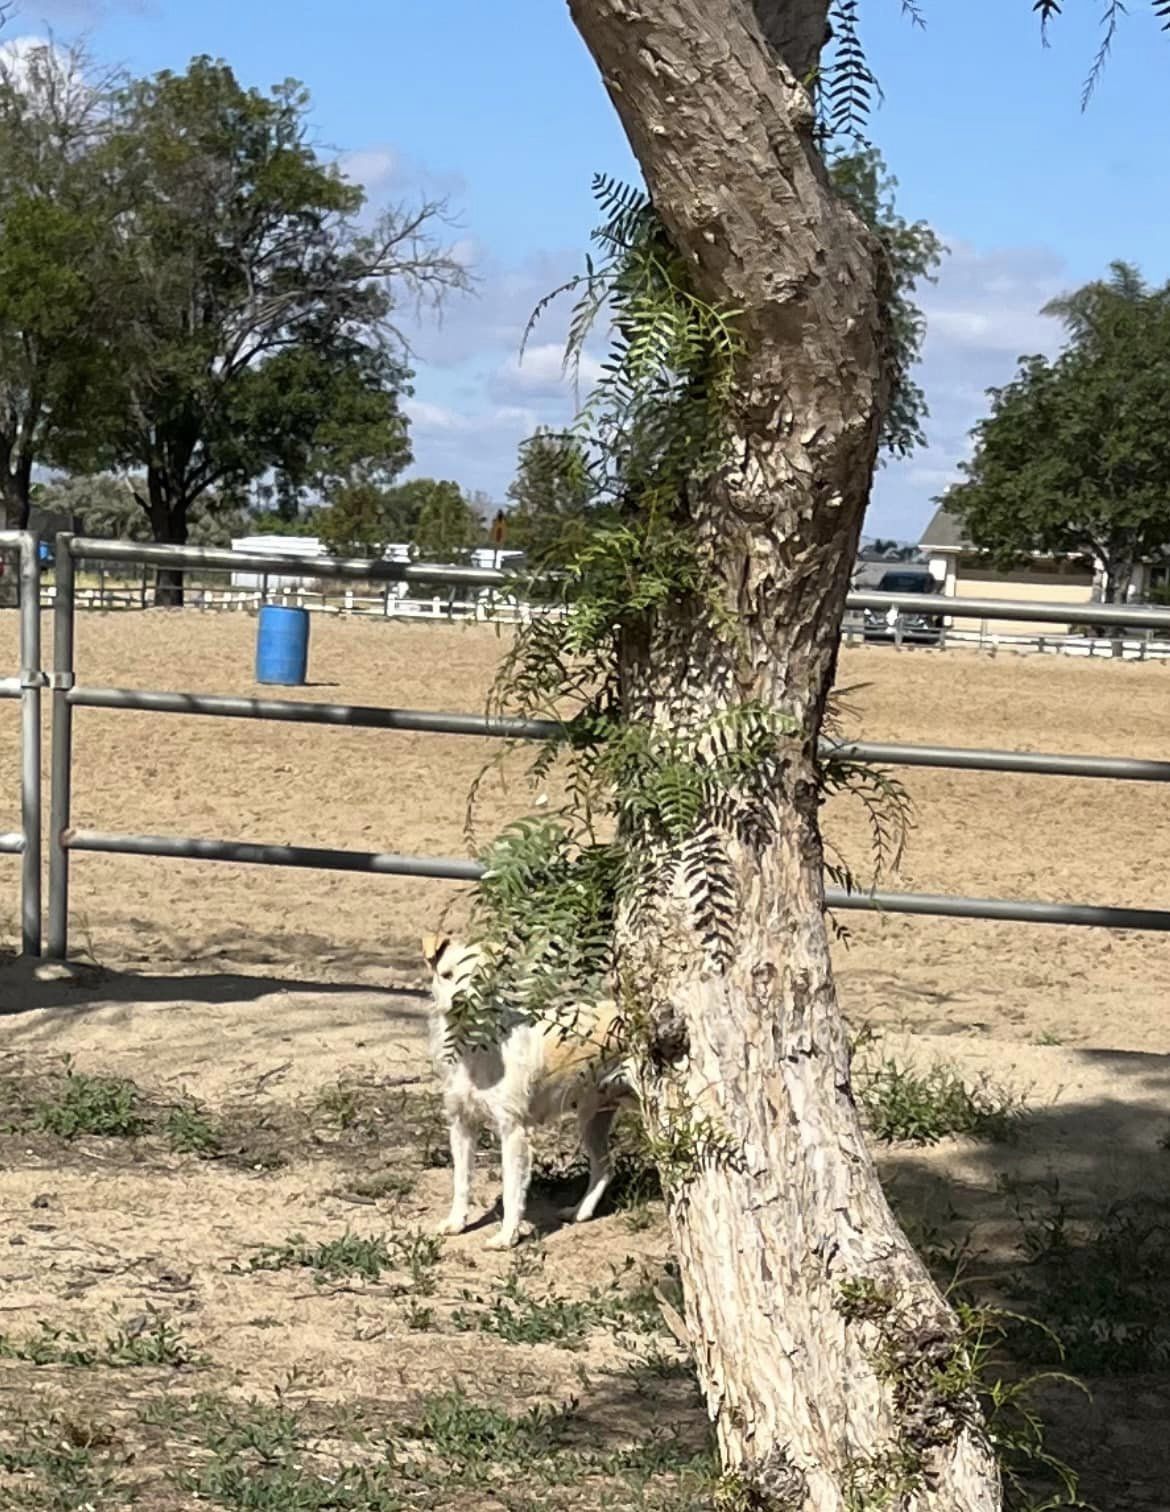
[506, 1240]
[451, 1226]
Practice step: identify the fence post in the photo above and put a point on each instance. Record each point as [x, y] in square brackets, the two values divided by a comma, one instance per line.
[31, 678]
[61, 764]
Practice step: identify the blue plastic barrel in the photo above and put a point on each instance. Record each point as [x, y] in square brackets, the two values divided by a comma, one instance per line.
[282, 645]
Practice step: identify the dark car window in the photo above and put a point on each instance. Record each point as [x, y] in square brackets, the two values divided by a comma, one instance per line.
[906, 582]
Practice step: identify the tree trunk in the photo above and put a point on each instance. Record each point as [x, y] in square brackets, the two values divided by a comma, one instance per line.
[168, 509]
[1118, 575]
[827, 1356]
[15, 504]
[16, 495]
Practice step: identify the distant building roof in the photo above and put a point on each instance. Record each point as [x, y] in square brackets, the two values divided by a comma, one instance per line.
[945, 533]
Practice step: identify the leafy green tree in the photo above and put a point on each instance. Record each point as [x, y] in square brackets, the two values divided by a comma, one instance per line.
[56, 261]
[405, 503]
[360, 520]
[549, 497]
[108, 507]
[1075, 455]
[448, 526]
[259, 338]
[364, 516]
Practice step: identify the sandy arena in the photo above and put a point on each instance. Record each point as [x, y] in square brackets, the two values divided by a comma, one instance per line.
[280, 1013]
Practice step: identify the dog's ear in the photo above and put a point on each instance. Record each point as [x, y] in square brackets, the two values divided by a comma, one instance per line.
[433, 946]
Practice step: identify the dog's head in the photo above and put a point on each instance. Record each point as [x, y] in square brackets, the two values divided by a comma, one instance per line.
[453, 964]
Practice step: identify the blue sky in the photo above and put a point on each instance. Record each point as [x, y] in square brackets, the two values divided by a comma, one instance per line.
[496, 105]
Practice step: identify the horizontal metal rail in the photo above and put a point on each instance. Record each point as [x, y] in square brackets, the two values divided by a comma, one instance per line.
[219, 559]
[11, 844]
[1007, 910]
[250, 853]
[1008, 609]
[10, 687]
[451, 868]
[216, 558]
[1038, 763]
[294, 711]
[425, 721]
[67, 697]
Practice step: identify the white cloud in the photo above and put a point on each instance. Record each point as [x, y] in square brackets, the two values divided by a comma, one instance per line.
[430, 418]
[489, 325]
[373, 168]
[991, 330]
[475, 447]
[384, 171]
[477, 400]
[539, 375]
[982, 315]
[31, 63]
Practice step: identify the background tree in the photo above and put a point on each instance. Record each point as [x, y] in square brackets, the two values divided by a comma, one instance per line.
[360, 520]
[365, 515]
[1074, 457]
[259, 336]
[755, 358]
[549, 497]
[448, 524]
[108, 507]
[56, 260]
[105, 505]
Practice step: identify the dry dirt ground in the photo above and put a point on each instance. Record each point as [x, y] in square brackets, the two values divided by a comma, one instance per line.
[227, 1294]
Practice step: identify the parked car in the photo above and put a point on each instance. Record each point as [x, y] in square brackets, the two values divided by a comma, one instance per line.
[887, 625]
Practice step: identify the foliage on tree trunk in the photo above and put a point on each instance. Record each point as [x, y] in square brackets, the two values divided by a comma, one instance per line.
[733, 440]
[550, 497]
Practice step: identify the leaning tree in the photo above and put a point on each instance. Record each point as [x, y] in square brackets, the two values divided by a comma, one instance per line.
[758, 343]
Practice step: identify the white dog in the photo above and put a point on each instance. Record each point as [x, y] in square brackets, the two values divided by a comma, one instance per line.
[535, 1073]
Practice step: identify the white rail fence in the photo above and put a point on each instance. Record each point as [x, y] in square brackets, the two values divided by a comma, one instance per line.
[389, 601]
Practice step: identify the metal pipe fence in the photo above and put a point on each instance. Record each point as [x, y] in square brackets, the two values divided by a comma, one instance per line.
[26, 843]
[67, 696]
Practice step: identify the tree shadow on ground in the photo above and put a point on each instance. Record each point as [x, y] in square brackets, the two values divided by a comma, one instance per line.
[308, 954]
[61, 1002]
[1069, 1226]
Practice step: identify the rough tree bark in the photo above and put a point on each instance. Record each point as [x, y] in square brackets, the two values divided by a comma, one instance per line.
[168, 509]
[819, 1337]
[15, 504]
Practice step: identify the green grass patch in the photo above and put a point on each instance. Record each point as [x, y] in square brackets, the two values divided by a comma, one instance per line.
[191, 1130]
[901, 1104]
[107, 1106]
[516, 1316]
[1101, 1290]
[149, 1340]
[355, 1255]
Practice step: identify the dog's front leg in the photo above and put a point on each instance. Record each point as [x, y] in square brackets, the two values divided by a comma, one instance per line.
[462, 1166]
[516, 1158]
